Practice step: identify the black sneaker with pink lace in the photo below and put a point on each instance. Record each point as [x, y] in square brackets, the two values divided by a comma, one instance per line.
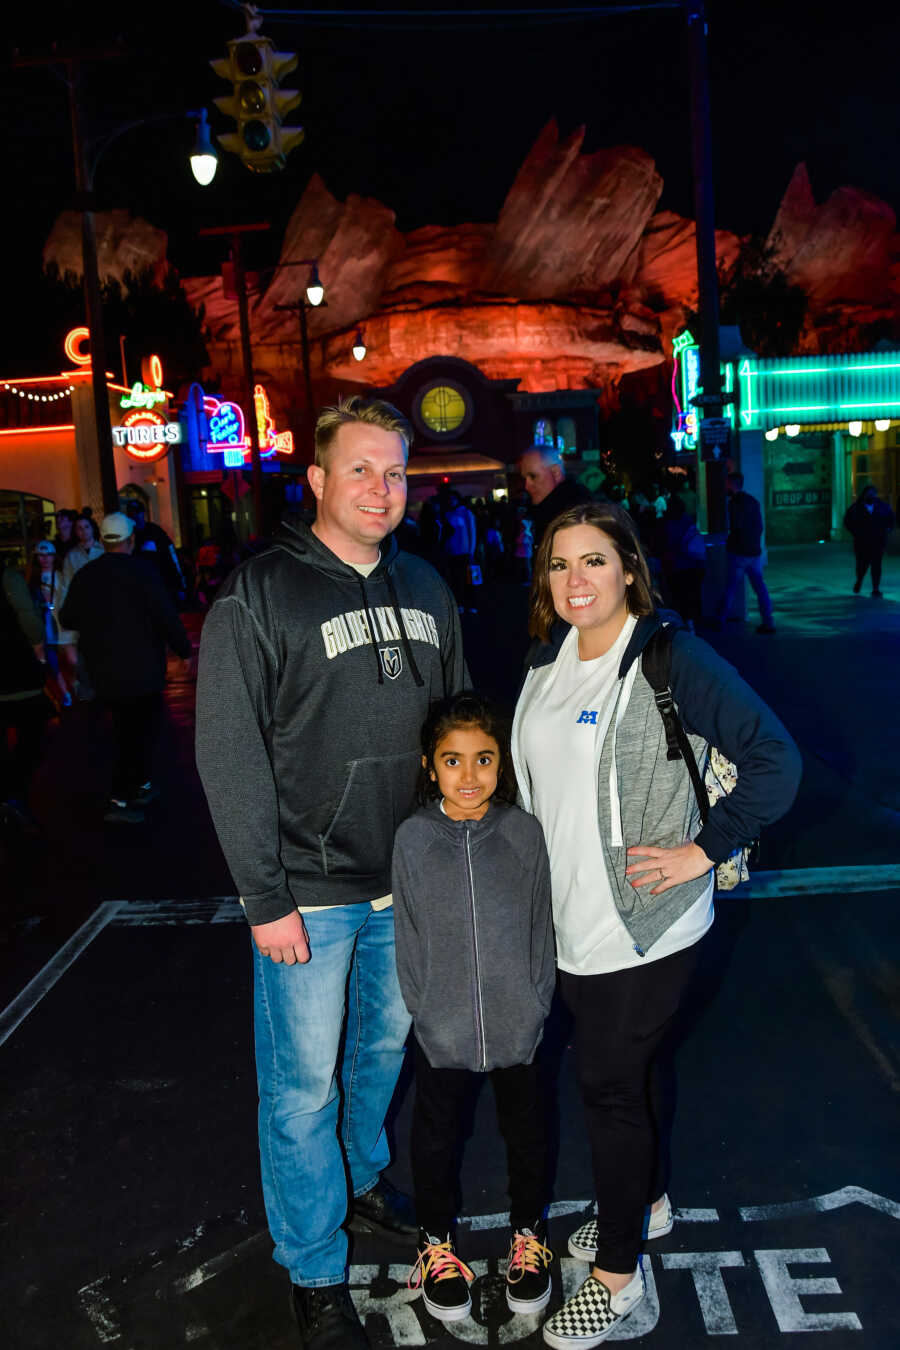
[442, 1277]
[528, 1270]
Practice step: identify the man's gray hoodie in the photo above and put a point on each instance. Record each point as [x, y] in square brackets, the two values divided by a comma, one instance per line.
[474, 935]
[313, 685]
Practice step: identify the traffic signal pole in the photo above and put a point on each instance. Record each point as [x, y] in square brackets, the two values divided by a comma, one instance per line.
[234, 233]
[707, 276]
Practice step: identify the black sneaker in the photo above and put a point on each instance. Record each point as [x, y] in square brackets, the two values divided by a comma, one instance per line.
[327, 1319]
[442, 1277]
[386, 1211]
[528, 1270]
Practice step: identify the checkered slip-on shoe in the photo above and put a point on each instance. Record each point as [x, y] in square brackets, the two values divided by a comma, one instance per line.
[583, 1242]
[588, 1317]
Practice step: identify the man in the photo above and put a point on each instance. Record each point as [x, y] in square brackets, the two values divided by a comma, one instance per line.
[318, 662]
[744, 549]
[124, 619]
[548, 487]
[153, 543]
[870, 521]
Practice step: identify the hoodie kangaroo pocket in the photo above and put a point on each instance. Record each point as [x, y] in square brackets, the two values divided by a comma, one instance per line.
[378, 795]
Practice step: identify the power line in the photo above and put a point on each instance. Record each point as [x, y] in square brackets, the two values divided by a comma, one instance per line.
[392, 19]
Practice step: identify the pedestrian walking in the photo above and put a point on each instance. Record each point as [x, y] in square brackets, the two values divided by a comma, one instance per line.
[683, 562]
[458, 548]
[318, 662]
[471, 889]
[870, 521]
[123, 620]
[152, 542]
[631, 866]
[745, 551]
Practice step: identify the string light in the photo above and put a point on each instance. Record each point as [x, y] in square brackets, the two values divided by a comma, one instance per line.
[39, 398]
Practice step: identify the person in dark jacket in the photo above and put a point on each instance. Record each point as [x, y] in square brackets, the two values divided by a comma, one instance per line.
[744, 549]
[631, 862]
[124, 619]
[153, 543]
[870, 521]
[318, 662]
[548, 487]
[471, 888]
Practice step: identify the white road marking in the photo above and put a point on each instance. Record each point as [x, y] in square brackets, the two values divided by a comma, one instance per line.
[25, 1002]
[820, 1204]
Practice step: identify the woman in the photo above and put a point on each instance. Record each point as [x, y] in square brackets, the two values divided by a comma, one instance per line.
[44, 587]
[65, 521]
[85, 548]
[631, 868]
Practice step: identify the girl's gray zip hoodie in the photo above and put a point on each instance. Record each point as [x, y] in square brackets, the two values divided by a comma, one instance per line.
[474, 935]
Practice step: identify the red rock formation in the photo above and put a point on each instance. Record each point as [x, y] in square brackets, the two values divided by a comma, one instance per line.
[125, 243]
[667, 266]
[570, 221]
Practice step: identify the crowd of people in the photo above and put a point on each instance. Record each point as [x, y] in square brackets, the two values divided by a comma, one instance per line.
[433, 873]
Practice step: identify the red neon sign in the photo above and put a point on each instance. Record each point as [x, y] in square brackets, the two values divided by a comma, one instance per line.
[75, 346]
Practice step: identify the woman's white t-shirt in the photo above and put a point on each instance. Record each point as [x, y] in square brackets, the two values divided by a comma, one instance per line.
[561, 722]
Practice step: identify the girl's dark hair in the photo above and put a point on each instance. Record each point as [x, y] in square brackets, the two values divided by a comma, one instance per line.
[621, 529]
[466, 709]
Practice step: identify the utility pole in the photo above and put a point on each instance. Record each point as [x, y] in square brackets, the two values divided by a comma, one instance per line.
[234, 233]
[101, 484]
[707, 276]
[299, 307]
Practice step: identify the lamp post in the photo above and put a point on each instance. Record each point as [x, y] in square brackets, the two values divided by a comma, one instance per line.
[313, 298]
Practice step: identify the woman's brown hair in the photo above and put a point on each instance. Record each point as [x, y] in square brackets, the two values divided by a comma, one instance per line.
[620, 529]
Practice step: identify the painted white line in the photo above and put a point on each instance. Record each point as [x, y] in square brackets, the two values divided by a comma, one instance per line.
[820, 1204]
[25, 1002]
[480, 1223]
[822, 881]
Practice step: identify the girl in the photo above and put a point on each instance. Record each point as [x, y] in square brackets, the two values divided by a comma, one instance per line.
[630, 862]
[475, 960]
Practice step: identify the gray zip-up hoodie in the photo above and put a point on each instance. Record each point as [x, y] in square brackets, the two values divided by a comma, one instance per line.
[312, 689]
[645, 798]
[474, 935]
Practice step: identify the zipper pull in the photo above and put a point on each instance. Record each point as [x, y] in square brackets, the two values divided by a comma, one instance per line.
[640, 951]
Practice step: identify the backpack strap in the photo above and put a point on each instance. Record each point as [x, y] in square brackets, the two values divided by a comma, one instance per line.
[656, 666]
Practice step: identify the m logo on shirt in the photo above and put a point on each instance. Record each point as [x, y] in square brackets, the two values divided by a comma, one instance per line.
[587, 716]
[391, 662]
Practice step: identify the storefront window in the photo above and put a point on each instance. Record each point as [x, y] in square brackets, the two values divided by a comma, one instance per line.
[543, 432]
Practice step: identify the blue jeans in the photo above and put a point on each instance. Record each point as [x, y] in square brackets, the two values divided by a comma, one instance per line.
[739, 566]
[322, 1105]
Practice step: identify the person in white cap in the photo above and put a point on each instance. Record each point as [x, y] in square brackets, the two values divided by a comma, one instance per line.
[124, 619]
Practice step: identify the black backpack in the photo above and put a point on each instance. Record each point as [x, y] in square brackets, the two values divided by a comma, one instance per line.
[720, 773]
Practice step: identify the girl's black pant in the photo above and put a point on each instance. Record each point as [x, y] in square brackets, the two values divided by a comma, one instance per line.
[443, 1100]
[620, 1021]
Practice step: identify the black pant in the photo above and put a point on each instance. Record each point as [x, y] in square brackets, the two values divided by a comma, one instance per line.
[27, 719]
[868, 556]
[620, 1020]
[135, 722]
[442, 1099]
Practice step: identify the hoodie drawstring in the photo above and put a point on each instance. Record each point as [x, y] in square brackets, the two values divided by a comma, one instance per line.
[368, 613]
[406, 647]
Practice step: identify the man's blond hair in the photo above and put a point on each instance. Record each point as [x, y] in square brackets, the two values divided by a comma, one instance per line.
[374, 412]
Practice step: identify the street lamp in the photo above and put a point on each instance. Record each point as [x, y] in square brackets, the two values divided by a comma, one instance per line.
[315, 291]
[314, 296]
[204, 160]
[359, 346]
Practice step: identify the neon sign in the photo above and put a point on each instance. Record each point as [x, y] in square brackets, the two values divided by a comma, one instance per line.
[75, 346]
[228, 434]
[146, 435]
[685, 384]
[142, 397]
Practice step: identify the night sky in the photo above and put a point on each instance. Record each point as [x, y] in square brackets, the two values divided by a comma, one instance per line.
[434, 121]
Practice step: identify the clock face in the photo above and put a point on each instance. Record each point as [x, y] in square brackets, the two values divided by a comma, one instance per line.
[443, 408]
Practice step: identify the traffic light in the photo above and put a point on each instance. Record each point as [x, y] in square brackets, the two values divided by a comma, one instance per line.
[254, 69]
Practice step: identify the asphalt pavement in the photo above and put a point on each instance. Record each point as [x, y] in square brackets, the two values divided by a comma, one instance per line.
[132, 1216]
